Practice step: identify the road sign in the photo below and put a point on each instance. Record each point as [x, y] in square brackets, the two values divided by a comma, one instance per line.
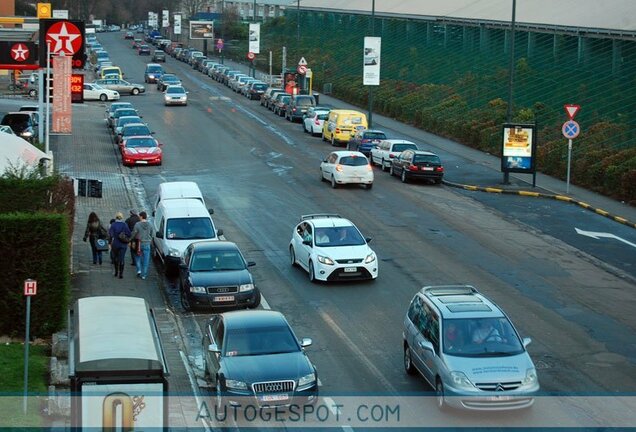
[30, 287]
[219, 44]
[64, 37]
[302, 62]
[571, 110]
[251, 56]
[301, 69]
[571, 129]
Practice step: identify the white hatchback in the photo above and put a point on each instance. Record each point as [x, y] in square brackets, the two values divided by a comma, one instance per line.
[313, 121]
[331, 248]
[346, 167]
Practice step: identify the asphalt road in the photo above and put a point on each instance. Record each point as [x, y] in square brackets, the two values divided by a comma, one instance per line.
[260, 173]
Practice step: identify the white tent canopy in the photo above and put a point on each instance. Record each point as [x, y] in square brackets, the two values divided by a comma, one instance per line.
[16, 152]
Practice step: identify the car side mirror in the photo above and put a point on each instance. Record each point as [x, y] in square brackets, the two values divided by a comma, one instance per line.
[305, 342]
[368, 239]
[219, 232]
[211, 210]
[213, 348]
[427, 345]
[152, 133]
[153, 213]
[158, 235]
[526, 341]
[251, 263]
[183, 266]
[307, 242]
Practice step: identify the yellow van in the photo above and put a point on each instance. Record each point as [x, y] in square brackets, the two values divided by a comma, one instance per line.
[341, 125]
[109, 71]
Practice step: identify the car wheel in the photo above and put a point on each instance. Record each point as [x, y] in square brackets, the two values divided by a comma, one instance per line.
[391, 172]
[257, 301]
[383, 166]
[292, 256]
[333, 141]
[135, 91]
[403, 177]
[333, 182]
[312, 275]
[184, 301]
[323, 136]
[322, 176]
[408, 362]
[103, 97]
[439, 393]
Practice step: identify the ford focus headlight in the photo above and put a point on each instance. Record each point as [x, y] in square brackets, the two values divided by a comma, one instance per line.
[461, 381]
[246, 287]
[306, 380]
[235, 384]
[325, 260]
[370, 258]
[531, 377]
[197, 290]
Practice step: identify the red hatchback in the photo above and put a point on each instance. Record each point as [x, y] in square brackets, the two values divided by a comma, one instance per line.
[141, 150]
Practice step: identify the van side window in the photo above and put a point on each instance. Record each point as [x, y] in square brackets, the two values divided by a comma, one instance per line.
[431, 330]
[161, 226]
[415, 309]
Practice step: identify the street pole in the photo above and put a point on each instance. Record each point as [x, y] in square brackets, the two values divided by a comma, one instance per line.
[26, 353]
[223, 30]
[511, 74]
[270, 67]
[254, 10]
[567, 182]
[48, 101]
[298, 28]
[370, 116]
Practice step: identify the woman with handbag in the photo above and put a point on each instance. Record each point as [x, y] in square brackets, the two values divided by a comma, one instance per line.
[119, 238]
[97, 235]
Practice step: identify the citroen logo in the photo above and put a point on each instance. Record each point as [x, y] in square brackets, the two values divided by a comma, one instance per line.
[499, 387]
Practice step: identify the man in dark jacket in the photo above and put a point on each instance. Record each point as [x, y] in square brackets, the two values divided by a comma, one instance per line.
[118, 245]
[131, 221]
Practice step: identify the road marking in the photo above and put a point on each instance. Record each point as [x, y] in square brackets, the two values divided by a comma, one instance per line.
[264, 303]
[193, 384]
[361, 356]
[332, 406]
[598, 235]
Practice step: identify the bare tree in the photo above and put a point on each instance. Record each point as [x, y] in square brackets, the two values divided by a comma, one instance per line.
[191, 7]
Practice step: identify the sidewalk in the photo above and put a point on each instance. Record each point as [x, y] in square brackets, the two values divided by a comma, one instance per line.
[89, 153]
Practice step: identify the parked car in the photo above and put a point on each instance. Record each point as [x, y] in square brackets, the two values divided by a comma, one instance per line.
[153, 72]
[96, 92]
[214, 274]
[123, 121]
[129, 35]
[121, 86]
[175, 95]
[141, 150]
[417, 165]
[313, 121]
[346, 167]
[331, 248]
[159, 56]
[298, 106]
[383, 153]
[113, 107]
[167, 79]
[341, 125]
[136, 43]
[364, 140]
[6, 129]
[255, 90]
[467, 349]
[253, 358]
[281, 102]
[121, 112]
[24, 124]
[143, 49]
[132, 129]
[268, 94]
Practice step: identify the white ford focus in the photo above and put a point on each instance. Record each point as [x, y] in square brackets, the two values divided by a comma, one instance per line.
[331, 248]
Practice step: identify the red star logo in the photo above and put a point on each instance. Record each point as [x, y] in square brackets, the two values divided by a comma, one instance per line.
[64, 37]
[19, 52]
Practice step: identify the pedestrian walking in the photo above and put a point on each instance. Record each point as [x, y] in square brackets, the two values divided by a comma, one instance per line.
[95, 231]
[119, 237]
[112, 257]
[143, 233]
[131, 221]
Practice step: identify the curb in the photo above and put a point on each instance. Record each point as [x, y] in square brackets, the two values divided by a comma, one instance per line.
[564, 198]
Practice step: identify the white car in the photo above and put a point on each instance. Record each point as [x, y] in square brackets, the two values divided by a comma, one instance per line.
[313, 121]
[331, 248]
[175, 95]
[346, 167]
[387, 150]
[97, 92]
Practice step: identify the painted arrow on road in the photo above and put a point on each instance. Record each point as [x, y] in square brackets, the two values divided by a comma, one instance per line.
[598, 235]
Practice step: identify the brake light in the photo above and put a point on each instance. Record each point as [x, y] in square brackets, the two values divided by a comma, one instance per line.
[439, 169]
[391, 155]
[369, 167]
[294, 109]
[339, 168]
[337, 130]
[317, 122]
[412, 167]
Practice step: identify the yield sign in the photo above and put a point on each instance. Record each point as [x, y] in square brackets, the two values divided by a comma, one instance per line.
[64, 37]
[302, 62]
[571, 110]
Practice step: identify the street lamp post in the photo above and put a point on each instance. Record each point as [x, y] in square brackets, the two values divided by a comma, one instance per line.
[370, 116]
[223, 30]
[298, 26]
[511, 75]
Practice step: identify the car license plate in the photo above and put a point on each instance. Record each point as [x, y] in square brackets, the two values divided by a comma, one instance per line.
[224, 298]
[274, 397]
[427, 168]
[350, 269]
[142, 162]
[500, 398]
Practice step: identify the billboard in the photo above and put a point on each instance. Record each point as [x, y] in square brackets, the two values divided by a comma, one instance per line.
[518, 148]
[371, 61]
[165, 19]
[18, 55]
[177, 23]
[64, 37]
[255, 38]
[201, 30]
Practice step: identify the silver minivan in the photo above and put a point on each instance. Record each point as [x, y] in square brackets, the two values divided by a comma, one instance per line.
[467, 349]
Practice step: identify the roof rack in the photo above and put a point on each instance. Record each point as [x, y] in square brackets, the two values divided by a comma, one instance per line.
[443, 290]
[320, 216]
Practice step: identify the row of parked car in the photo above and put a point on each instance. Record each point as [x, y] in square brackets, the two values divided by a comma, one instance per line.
[136, 142]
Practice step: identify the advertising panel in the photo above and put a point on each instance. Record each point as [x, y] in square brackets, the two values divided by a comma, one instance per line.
[135, 406]
[371, 62]
[255, 38]
[177, 23]
[18, 55]
[518, 151]
[165, 18]
[64, 37]
[61, 110]
[201, 30]
[77, 88]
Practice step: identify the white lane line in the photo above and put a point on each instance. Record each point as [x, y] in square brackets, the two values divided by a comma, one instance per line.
[193, 384]
[319, 383]
[347, 428]
[332, 406]
[361, 357]
[266, 305]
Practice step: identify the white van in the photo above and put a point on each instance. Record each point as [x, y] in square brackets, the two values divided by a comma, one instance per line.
[177, 190]
[178, 223]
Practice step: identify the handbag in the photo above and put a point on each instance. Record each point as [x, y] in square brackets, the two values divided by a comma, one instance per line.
[101, 245]
[123, 237]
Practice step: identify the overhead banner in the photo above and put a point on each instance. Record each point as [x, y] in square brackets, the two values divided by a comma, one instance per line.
[371, 63]
[153, 19]
[177, 23]
[255, 38]
[201, 30]
[519, 148]
[18, 55]
[165, 21]
[61, 110]
[64, 37]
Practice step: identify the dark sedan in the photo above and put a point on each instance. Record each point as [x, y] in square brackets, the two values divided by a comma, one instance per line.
[417, 164]
[143, 50]
[167, 79]
[364, 140]
[254, 358]
[214, 274]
